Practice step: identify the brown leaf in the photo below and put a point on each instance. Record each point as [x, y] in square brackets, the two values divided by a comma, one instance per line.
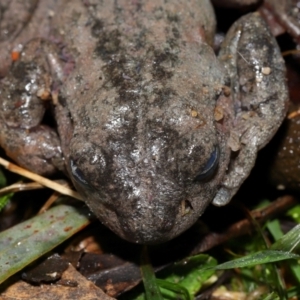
[85, 289]
[110, 273]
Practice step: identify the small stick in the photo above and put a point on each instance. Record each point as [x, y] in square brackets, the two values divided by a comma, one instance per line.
[20, 186]
[40, 179]
[293, 114]
[290, 52]
[244, 226]
[49, 202]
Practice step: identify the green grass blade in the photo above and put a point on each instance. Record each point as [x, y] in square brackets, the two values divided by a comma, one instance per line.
[290, 242]
[261, 257]
[27, 241]
[177, 291]
[152, 290]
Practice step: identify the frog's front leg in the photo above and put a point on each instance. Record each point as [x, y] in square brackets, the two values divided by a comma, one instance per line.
[23, 99]
[286, 12]
[259, 93]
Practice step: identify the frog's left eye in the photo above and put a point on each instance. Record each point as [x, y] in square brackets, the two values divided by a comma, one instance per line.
[210, 167]
[77, 173]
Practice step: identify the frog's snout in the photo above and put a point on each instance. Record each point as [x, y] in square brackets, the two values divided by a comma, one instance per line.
[150, 226]
[147, 208]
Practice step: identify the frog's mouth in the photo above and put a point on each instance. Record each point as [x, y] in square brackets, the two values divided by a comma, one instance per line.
[154, 226]
[148, 225]
[142, 226]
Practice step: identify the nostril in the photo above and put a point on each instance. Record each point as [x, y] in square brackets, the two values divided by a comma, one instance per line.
[186, 207]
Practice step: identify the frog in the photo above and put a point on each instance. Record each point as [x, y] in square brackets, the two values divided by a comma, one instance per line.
[151, 125]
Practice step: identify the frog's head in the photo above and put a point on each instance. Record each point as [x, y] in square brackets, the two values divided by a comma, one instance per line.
[150, 178]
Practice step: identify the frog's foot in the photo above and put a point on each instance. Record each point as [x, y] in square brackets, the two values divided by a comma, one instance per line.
[37, 149]
[24, 92]
[258, 86]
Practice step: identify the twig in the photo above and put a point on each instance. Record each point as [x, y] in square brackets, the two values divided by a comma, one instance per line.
[49, 202]
[40, 179]
[244, 226]
[20, 186]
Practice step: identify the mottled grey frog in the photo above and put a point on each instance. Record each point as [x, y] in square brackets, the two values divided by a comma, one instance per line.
[152, 126]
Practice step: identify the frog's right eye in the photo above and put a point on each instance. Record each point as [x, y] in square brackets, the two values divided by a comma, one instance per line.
[77, 173]
[210, 167]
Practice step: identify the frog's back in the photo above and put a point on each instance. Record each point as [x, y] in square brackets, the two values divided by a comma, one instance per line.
[111, 38]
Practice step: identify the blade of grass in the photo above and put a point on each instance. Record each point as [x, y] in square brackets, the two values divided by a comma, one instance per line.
[167, 287]
[275, 230]
[152, 290]
[290, 242]
[258, 258]
[27, 241]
